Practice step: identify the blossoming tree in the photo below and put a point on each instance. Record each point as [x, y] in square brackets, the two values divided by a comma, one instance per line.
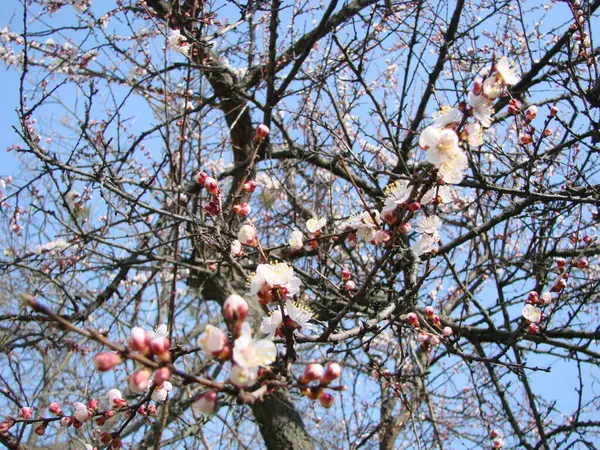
[300, 225]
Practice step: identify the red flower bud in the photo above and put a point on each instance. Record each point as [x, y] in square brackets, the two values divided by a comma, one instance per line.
[312, 372]
[346, 274]
[326, 399]
[107, 360]
[54, 408]
[412, 319]
[332, 371]
[262, 131]
[429, 311]
[26, 412]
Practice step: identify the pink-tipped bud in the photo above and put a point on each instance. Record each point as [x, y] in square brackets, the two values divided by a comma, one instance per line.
[151, 409]
[213, 341]
[436, 320]
[434, 340]
[107, 360]
[547, 132]
[533, 328]
[161, 375]
[514, 106]
[54, 408]
[66, 421]
[160, 347]
[494, 434]
[242, 209]
[412, 319]
[106, 437]
[382, 236]
[141, 410]
[588, 239]
[332, 371]
[262, 131]
[531, 113]
[26, 412]
[414, 206]
[249, 186]
[447, 332]
[326, 399]
[139, 340]
[312, 372]
[389, 216]
[546, 298]
[560, 285]
[138, 381]
[422, 337]
[200, 178]
[561, 263]
[350, 285]
[533, 297]
[207, 404]
[235, 308]
[211, 185]
[429, 311]
[92, 404]
[582, 263]
[404, 228]
[553, 111]
[40, 430]
[346, 274]
[525, 139]
[5, 426]
[247, 236]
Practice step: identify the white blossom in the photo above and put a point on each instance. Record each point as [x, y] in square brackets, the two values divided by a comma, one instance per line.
[315, 224]
[532, 313]
[178, 43]
[482, 109]
[298, 318]
[160, 393]
[429, 225]
[296, 240]
[251, 353]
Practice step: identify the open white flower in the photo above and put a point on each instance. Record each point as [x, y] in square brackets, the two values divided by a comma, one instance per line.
[396, 194]
[429, 225]
[474, 134]
[426, 243]
[441, 144]
[453, 171]
[81, 413]
[532, 313]
[443, 194]
[178, 43]
[160, 331]
[315, 224]
[242, 376]
[278, 276]
[298, 316]
[212, 341]
[447, 116]
[296, 240]
[251, 353]
[506, 71]
[482, 108]
[160, 393]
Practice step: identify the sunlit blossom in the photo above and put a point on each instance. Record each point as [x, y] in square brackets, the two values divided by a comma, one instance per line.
[532, 313]
[279, 276]
[178, 43]
[251, 353]
[298, 316]
[315, 224]
[161, 393]
[483, 109]
[296, 240]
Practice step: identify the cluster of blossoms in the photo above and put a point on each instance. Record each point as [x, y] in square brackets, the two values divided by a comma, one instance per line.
[247, 354]
[315, 227]
[295, 316]
[178, 43]
[323, 376]
[273, 282]
[212, 187]
[149, 344]
[425, 337]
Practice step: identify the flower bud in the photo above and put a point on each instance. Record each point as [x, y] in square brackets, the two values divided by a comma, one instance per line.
[138, 381]
[422, 337]
[531, 113]
[436, 320]
[404, 228]
[533, 297]
[525, 139]
[553, 111]
[151, 409]
[346, 274]
[414, 206]
[81, 413]
[5, 426]
[332, 371]
[312, 372]
[350, 286]
[429, 311]
[213, 340]
[242, 210]
[207, 404]
[66, 421]
[26, 412]
[116, 443]
[434, 340]
[247, 236]
[201, 177]
[561, 263]
[211, 185]
[160, 347]
[447, 332]
[534, 328]
[139, 340]
[235, 308]
[40, 430]
[494, 433]
[92, 404]
[514, 106]
[107, 360]
[382, 236]
[546, 298]
[582, 263]
[106, 437]
[326, 399]
[54, 408]
[389, 216]
[161, 375]
[262, 131]
[249, 186]
[412, 319]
